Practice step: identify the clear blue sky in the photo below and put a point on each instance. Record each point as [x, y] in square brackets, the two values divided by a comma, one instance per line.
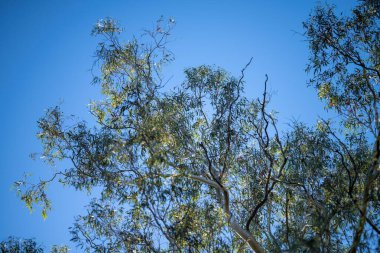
[46, 52]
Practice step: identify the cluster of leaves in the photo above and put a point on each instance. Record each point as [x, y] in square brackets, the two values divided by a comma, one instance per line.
[16, 245]
[202, 168]
[345, 61]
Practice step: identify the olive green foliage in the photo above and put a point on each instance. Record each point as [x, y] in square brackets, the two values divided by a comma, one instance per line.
[15, 245]
[201, 168]
[59, 249]
[18, 245]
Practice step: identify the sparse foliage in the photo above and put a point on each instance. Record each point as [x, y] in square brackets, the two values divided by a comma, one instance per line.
[201, 168]
[15, 245]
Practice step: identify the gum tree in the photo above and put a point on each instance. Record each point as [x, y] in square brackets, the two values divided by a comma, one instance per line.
[345, 60]
[18, 245]
[201, 168]
[13, 244]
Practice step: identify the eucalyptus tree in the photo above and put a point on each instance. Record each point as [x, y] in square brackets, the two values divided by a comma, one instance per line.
[19, 245]
[345, 60]
[15, 245]
[202, 168]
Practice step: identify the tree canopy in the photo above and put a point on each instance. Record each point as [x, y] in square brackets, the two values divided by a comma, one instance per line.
[202, 168]
[18, 245]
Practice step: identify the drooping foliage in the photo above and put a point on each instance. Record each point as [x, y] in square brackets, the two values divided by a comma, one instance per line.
[15, 245]
[345, 61]
[19, 245]
[201, 168]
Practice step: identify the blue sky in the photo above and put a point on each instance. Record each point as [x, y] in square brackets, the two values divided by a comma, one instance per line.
[46, 53]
